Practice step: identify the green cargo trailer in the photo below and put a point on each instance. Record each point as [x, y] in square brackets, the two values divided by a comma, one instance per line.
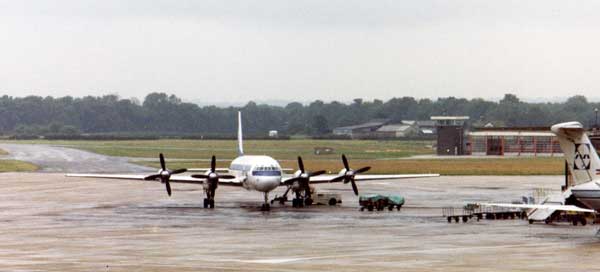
[395, 201]
[380, 202]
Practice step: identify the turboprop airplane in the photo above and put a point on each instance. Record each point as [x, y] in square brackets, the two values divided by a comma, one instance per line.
[584, 165]
[257, 173]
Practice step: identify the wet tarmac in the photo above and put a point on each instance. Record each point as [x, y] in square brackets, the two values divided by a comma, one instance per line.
[51, 223]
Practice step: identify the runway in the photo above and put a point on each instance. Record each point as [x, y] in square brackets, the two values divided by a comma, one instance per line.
[57, 159]
[51, 223]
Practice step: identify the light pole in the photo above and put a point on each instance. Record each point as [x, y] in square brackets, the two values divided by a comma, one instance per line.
[596, 123]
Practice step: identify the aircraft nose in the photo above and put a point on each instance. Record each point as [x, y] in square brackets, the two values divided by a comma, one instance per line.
[268, 183]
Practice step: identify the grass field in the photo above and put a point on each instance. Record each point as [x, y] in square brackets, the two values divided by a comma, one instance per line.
[227, 149]
[16, 166]
[386, 157]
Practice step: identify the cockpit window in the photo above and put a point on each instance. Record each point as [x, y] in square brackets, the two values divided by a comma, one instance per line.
[269, 170]
[272, 173]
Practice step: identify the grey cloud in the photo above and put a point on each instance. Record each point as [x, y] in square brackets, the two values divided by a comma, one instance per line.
[277, 49]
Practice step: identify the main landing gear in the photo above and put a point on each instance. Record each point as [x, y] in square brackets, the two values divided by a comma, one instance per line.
[209, 201]
[298, 201]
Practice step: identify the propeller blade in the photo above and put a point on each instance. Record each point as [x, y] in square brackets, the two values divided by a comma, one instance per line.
[316, 173]
[300, 165]
[213, 164]
[162, 161]
[345, 161]
[168, 186]
[178, 171]
[354, 188]
[152, 177]
[226, 176]
[361, 170]
[200, 176]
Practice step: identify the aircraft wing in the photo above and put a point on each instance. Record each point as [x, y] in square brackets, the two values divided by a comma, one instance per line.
[227, 169]
[570, 208]
[174, 178]
[328, 178]
[207, 169]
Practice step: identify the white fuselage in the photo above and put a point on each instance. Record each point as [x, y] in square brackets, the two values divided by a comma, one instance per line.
[588, 193]
[258, 173]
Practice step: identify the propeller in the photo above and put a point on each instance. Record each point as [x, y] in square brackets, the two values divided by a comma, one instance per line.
[165, 174]
[303, 178]
[349, 174]
[212, 177]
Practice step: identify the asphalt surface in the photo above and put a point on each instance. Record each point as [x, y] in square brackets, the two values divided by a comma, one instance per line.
[53, 223]
[55, 159]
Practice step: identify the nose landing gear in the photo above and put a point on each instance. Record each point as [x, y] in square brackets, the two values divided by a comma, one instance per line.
[265, 206]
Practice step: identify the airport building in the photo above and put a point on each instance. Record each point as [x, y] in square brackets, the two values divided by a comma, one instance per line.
[357, 131]
[397, 131]
[384, 129]
[451, 134]
[513, 141]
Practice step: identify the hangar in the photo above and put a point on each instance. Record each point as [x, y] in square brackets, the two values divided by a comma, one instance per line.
[513, 141]
[357, 131]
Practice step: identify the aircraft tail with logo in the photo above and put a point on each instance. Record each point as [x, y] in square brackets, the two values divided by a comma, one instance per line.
[581, 156]
[239, 135]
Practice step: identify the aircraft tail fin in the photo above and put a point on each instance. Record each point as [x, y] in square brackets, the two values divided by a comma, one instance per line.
[240, 138]
[581, 156]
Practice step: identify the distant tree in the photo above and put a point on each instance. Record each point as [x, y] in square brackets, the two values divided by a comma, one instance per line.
[536, 115]
[510, 99]
[135, 101]
[69, 130]
[55, 128]
[510, 110]
[166, 113]
[320, 125]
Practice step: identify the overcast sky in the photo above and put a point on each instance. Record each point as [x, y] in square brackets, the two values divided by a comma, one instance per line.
[300, 50]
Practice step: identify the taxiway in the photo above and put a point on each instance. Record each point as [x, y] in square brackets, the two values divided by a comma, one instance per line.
[51, 223]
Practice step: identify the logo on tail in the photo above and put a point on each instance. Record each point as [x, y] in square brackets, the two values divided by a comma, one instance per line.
[582, 159]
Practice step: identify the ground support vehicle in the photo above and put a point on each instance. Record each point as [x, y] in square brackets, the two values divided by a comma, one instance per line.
[330, 199]
[380, 202]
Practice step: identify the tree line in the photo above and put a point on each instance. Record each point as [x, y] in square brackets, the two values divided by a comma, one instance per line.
[164, 114]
